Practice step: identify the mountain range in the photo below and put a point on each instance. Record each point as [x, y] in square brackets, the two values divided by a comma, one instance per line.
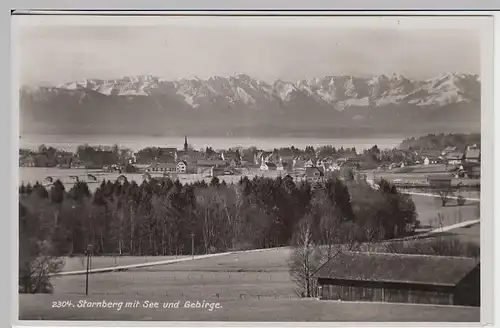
[239, 105]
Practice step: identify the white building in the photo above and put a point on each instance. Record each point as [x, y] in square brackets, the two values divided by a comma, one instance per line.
[182, 167]
[263, 165]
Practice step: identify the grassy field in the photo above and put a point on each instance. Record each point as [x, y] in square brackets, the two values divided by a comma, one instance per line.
[469, 234]
[252, 286]
[418, 173]
[431, 168]
[248, 286]
[256, 274]
[36, 307]
[428, 209]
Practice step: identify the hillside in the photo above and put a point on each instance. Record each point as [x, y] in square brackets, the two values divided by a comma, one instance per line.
[440, 141]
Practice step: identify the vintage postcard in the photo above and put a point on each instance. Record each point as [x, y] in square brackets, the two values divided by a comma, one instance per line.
[322, 168]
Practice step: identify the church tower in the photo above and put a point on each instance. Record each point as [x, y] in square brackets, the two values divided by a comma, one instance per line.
[185, 143]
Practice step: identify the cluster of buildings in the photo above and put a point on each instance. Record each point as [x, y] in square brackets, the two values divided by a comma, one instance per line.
[269, 161]
[467, 162]
[469, 158]
[309, 166]
[48, 158]
[170, 161]
[451, 155]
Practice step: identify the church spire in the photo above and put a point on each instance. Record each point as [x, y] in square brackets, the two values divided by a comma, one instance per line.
[185, 143]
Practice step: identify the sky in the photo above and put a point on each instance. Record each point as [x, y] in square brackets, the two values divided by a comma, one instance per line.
[57, 49]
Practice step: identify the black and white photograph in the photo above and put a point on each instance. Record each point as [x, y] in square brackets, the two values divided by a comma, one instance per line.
[250, 168]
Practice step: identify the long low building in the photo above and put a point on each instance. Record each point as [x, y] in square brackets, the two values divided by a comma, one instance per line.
[401, 278]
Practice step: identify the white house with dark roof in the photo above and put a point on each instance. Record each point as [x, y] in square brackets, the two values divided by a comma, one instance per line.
[182, 167]
[162, 167]
[454, 158]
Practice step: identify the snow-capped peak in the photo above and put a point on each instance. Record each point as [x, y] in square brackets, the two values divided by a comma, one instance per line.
[340, 92]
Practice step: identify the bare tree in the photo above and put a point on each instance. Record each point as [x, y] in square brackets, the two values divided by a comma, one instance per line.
[305, 259]
[329, 224]
[445, 196]
[36, 265]
[117, 215]
[440, 221]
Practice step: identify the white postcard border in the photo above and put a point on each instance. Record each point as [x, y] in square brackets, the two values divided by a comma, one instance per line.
[10, 140]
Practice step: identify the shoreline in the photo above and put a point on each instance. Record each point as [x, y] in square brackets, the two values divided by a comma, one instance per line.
[265, 143]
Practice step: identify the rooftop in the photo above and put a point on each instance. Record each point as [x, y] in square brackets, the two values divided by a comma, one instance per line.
[455, 155]
[209, 162]
[402, 268]
[167, 149]
[472, 153]
[440, 177]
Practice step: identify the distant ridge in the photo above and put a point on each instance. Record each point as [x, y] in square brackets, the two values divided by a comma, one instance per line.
[244, 106]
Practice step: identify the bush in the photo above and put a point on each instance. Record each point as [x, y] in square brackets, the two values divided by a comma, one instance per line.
[460, 200]
[36, 266]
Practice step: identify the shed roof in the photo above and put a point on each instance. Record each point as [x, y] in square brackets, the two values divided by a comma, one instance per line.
[163, 165]
[439, 177]
[455, 155]
[402, 268]
[472, 153]
[450, 148]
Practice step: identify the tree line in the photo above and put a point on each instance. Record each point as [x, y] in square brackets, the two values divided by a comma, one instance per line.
[159, 216]
[441, 141]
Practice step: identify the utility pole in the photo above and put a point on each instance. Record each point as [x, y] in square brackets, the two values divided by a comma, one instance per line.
[89, 254]
[192, 244]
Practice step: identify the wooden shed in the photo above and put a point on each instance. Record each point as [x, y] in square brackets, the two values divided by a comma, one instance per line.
[401, 278]
[441, 181]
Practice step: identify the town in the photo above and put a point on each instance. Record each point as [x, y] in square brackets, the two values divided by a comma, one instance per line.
[462, 161]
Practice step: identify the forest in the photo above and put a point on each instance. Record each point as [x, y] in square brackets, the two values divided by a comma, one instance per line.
[161, 216]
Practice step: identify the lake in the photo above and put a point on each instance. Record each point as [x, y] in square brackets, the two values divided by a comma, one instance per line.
[71, 142]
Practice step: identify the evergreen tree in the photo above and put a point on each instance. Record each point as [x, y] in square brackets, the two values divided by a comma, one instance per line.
[29, 188]
[22, 189]
[40, 190]
[57, 192]
[215, 182]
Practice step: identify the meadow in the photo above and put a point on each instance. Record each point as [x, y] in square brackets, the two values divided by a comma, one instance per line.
[252, 286]
[78, 263]
[429, 210]
[38, 307]
[420, 168]
[249, 285]
[470, 234]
